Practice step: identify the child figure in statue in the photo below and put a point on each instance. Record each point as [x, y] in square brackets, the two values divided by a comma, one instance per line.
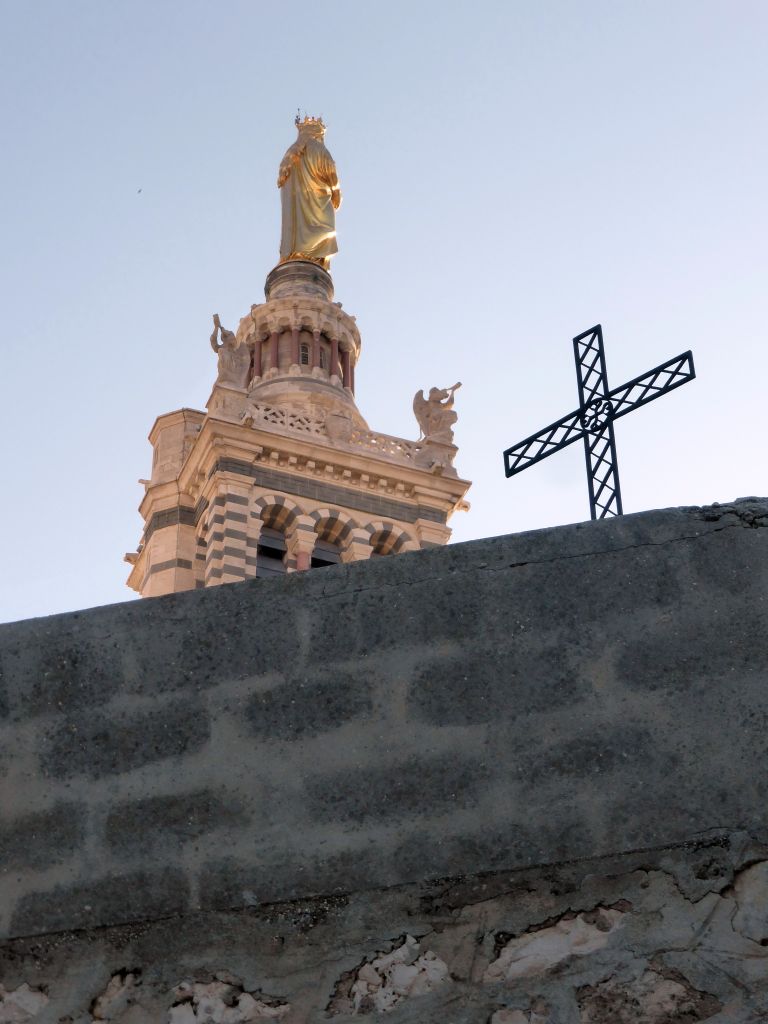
[310, 195]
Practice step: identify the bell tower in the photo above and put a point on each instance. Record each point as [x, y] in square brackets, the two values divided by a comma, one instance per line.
[282, 473]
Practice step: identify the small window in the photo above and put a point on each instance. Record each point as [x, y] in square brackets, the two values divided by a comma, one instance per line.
[304, 356]
[270, 553]
[325, 553]
[323, 359]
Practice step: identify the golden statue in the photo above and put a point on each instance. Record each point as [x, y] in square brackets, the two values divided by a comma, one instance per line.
[309, 192]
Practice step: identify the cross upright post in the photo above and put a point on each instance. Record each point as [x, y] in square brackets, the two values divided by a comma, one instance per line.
[597, 423]
[593, 421]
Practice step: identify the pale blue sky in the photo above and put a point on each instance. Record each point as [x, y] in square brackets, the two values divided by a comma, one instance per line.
[512, 173]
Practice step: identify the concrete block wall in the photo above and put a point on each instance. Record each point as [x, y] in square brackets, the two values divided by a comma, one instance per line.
[190, 778]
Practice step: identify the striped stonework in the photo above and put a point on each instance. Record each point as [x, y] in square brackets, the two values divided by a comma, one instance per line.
[200, 560]
[226, 536]
[301, 538]
[169, 517]
[281, 473]
[276, 512]
[389, 539]
[333, 525]
[357, 546]
[348, 497]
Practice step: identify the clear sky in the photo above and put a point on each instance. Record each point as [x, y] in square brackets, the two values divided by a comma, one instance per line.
[513, 172]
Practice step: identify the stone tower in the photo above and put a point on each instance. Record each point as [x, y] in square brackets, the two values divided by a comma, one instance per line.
[282, 472]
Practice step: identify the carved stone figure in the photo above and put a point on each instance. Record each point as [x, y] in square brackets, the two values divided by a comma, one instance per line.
[234, 359]
[310, 195]
[435, 414]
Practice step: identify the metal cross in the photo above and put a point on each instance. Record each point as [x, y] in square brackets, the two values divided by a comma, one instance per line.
[593, 420]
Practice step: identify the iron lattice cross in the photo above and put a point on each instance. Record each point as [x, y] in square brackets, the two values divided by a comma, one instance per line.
[593, 420]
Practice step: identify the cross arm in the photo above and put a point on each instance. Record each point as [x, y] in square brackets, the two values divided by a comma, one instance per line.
[546, 442]
[653, 384]
[621, 400]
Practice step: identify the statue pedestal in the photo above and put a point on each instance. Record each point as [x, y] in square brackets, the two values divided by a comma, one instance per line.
[298, 278]
[227, 402]
[436, 456]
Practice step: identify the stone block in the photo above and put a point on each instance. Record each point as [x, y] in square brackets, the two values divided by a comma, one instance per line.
[43, 838]
[65, 670]
[277, 875]
[103, 744]
[463, 689]
[223, 643]
[108, 901]
[414, 786]
[308, 705]
[673, 652]
[145, 827]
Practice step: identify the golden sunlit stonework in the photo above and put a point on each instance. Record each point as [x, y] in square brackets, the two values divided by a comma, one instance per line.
[282, 472]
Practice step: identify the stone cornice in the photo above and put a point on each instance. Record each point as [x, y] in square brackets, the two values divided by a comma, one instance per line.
[178, 415]
[308, 458]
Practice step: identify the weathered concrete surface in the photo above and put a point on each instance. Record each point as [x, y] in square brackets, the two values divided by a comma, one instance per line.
[666, 943]
[573, 693]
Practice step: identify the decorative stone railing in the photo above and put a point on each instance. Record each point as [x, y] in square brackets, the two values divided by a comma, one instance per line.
[338, 429]
[258, 415]
[383, 444]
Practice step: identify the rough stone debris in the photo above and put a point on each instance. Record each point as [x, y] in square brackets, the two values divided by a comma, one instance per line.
[656, 997]
[751, 894]
[119, 994]
[541, 949]
[384, 982]
[538, 1014]
[21, 1004]
[221, 1002]
[658, 937]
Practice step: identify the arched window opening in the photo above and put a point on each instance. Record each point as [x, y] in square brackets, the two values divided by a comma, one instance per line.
[323, 359]
[304, 354]
[388, 541]
[325, 553]
[270, 552]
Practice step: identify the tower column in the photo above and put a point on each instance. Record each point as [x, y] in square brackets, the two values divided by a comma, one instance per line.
[214, 553]
[335, 357]
[358, 546]
[226, 536]
[253, 532]
[300, 542]
[295, 346]
[346, 365]
[257, 358]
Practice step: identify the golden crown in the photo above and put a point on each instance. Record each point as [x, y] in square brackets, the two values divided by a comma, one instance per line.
[311, 122]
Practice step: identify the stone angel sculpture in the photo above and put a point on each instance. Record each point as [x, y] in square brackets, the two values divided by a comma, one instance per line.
[234, 359]
[435, 414]
[310, 195]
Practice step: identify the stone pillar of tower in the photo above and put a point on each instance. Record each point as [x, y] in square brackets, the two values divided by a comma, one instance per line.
[282, 473]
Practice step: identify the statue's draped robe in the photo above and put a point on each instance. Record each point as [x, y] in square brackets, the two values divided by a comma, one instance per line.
[307, 179]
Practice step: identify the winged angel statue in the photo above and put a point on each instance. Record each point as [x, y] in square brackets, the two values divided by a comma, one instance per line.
[435, 414]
